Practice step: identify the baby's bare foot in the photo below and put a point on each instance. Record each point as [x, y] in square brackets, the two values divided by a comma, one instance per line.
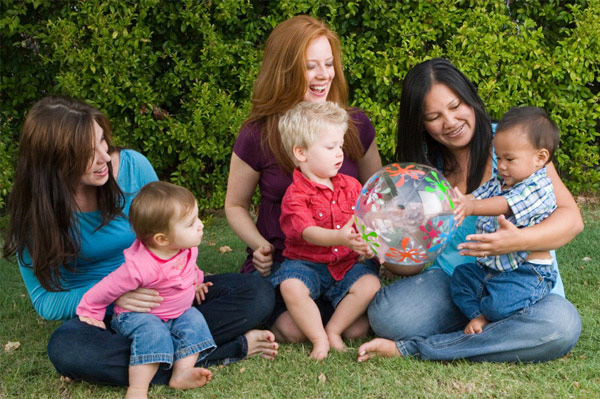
[136, 393]
[194, 377]
[320, 349]
[336, 342]
[261, 342]
[476, 325]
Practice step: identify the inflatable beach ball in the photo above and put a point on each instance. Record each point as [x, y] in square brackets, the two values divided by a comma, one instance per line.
[405, 213]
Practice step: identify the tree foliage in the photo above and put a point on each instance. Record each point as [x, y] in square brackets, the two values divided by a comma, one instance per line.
[175, 78]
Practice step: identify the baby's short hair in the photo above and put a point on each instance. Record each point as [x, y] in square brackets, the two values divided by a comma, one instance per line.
[156, 206]
[535, 122]
[300, 125]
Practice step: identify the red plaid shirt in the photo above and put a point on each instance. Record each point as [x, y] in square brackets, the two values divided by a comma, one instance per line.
[306, 204]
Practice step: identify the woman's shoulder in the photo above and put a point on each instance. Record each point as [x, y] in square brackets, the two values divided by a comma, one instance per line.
[248, 145]
[135, 169]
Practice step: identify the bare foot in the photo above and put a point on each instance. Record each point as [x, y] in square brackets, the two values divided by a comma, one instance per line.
[320, 349]
[476, 325]
[136, 393]
[261, 342]
[194, 377]
[377, 347]
[336, 342]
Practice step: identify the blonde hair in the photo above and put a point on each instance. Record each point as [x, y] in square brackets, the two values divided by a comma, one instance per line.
[156, 207]
[281, 83]
[301, 125]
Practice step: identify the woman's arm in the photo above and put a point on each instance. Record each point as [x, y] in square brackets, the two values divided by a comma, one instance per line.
[241, 185]
[553, 232]
[369, 163]
[49, 305]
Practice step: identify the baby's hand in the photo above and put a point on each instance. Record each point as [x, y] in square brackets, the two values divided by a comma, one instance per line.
[464, 206]
[93, 322]
[353, 240]
[201, 291]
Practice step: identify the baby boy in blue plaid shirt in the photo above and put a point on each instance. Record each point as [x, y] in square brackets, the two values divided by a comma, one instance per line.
[495, 287]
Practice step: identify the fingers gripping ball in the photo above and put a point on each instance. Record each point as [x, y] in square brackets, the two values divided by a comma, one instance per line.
[405, 212]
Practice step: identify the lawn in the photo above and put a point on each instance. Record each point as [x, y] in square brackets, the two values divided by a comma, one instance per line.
[27, 372]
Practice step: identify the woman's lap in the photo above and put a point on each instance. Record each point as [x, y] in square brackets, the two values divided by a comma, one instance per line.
[419, 315]
[236, 303]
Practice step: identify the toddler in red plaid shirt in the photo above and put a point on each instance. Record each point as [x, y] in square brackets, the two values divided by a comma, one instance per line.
[322, 248]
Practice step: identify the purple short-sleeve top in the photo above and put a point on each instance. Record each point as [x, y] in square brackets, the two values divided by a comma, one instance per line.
[274, 181]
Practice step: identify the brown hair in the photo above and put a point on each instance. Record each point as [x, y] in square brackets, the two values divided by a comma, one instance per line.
[57, 143]
[541, 131]
[281, 83]
[156, 207]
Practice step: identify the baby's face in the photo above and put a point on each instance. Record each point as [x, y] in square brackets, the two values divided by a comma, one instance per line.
[325, 156]
[517, 157]
[187, 232]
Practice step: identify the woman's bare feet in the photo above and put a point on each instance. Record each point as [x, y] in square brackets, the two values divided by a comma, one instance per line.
[320, 349]
[476, 325]
[194, 377]
[377, 347]
[261, 342]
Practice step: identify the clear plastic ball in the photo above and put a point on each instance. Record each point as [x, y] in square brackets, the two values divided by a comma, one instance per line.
[405, 212]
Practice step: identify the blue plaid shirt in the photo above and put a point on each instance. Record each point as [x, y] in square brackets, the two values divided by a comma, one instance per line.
[530, 201]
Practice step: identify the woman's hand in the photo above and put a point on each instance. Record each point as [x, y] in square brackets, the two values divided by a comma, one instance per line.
[141, 300]
[93, 322]
[504, 240]
[262, 259]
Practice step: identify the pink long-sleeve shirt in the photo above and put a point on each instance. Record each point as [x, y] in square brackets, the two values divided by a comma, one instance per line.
[175, 280]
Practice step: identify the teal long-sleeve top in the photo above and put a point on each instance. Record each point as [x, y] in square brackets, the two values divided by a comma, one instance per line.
[101, 250]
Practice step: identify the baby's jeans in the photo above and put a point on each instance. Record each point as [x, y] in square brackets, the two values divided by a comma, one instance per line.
[158, 341]
[476, 289]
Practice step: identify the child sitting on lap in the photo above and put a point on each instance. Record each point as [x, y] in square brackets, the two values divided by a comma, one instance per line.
[163, 257]
[321, 246]
[496, 287]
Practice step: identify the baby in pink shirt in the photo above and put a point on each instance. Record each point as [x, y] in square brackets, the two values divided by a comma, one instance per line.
[163, 257]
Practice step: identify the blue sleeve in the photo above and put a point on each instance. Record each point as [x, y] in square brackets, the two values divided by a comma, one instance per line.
[50, 305]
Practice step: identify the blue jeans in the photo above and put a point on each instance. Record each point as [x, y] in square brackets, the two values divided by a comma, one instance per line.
[158, 341]
[418, 314]
[319, 281]
[477, 289]
[234, 304]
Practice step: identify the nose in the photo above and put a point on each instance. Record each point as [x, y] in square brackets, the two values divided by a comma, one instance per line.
[102, 155]
[323, 72]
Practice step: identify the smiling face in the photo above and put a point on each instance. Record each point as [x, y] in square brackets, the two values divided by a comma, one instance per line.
[324, 157]
[516, 156]
[97, 171]
[319, 69]
[447, 118]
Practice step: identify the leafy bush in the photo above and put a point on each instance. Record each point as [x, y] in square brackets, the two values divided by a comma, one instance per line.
[176, 78]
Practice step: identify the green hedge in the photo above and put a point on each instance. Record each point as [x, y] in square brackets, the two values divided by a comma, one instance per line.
[175, 77]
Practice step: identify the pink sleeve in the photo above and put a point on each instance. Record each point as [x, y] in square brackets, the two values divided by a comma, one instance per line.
[295, 215]
[124, 279]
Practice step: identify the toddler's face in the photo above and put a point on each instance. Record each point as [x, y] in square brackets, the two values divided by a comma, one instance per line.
[325, 156]
[517, 158]
[187, 231]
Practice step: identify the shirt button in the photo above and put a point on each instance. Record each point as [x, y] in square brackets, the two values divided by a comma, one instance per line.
[320, 214]
[333, 202]
[334, 249]
[337, 227]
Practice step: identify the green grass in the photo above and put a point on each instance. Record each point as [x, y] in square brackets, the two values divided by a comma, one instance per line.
[27, 372]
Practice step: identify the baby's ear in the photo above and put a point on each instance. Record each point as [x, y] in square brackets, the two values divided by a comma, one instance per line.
[542, 157]
[160, 239]
[299, 153]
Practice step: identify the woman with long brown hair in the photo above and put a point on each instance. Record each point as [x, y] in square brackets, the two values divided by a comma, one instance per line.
[68, 227]
[302, 62]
